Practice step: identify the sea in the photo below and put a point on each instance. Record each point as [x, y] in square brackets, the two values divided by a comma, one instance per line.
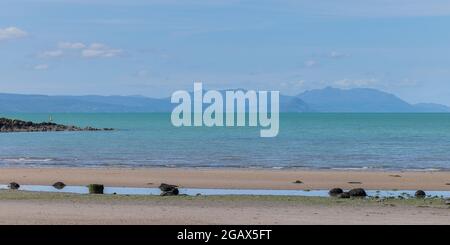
[367, 141]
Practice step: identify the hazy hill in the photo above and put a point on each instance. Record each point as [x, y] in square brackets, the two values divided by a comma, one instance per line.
[318, 100]
[355, 100]
[431, 107]
[43, 103]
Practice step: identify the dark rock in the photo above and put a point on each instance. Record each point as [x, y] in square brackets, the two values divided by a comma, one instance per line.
[344, 195]
[335, 192]
[96, 189]
[173, 192]
[90, 129]
[167, 187]
[10, 125]
[59, 185]
[13, 186]
[357, 192]
[298, 182]
[395, 175]
[354, 182]
[420, 194]
[168, 190]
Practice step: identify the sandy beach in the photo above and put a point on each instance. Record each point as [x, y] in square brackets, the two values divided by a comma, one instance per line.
[230, 178]
[20, 207]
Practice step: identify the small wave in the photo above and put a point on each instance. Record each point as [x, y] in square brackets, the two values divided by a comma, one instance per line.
[351, 168]
[230, 158]
[390, 169]
[27, 160]
[426, 170]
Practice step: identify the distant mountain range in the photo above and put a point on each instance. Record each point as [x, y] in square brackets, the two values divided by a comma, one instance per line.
[362, 100]
[318, 100]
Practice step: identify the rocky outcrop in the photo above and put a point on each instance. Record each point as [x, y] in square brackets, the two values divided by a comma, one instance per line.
[12, 125]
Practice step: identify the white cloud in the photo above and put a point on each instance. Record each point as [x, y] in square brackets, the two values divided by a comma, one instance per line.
[79, 49]
[41, 67]
[70, 45]
[311, 63]
[100, 50]
[337, 55]
[51, 53]
[407, 82]
[294, 85]
[11, 33]
[142, 73]
[351, 83]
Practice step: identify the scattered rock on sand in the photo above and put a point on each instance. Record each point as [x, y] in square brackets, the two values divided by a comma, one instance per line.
[357, 192]
[59, 185]
[96, 189]
[335, 192]
[167, 187]
[174, 192]
[168, 190]
[395, 175]
[344, 195]
[420, 194]
[13, 186]
[354, 182]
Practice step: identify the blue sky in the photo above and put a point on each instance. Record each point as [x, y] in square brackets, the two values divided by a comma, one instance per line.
[155, 47]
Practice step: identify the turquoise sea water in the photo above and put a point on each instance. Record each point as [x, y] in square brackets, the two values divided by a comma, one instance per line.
[318, 141]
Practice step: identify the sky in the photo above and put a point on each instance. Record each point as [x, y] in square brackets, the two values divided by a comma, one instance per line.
[155, 47]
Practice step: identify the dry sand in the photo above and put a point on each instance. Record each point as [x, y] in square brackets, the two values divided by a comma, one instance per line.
[229, 178]
[213, 210]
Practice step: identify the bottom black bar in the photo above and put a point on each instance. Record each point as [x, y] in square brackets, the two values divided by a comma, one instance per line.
[223, 234]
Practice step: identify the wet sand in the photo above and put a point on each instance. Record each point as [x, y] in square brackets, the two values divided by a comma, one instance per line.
[230, 178]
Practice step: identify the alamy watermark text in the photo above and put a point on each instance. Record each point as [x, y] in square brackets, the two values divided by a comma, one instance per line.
[230, 108]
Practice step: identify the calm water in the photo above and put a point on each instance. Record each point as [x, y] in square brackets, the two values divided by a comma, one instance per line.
[209, 192]
[374, 141]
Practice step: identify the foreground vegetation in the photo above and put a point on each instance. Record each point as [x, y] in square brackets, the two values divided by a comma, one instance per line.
[323, 201]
